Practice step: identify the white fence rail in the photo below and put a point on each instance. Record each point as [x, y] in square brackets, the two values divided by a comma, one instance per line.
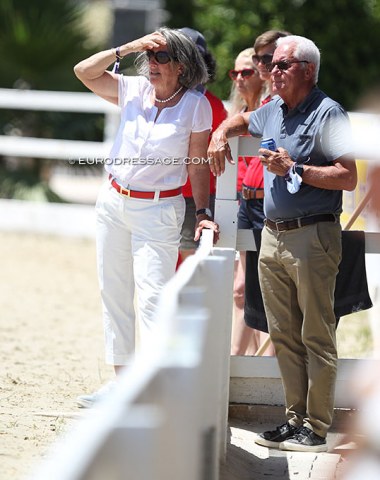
[167, 418]
[365, 132]
[17, 146]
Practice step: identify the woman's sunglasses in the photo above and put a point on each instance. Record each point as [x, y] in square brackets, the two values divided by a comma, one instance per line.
[283, 65]
[161, 57]
[265, 59]
[246, 73]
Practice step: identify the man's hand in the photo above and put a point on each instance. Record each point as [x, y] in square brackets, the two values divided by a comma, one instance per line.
[218, 151]
[203, 221]
[278, 162]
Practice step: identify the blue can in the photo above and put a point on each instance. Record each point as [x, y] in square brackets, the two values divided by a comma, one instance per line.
[269, 144]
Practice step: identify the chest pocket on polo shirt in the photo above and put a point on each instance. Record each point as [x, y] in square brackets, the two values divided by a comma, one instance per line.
[303, 147]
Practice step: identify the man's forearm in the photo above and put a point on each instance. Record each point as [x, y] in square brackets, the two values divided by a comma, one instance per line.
[219, 149]
[234, 126]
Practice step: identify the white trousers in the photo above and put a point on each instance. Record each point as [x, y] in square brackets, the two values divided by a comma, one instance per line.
[137, 249]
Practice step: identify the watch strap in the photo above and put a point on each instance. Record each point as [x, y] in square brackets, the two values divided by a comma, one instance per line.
[204, 211]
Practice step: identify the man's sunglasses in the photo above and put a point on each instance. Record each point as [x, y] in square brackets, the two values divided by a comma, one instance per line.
[161, 57]
[265, 59]
[246, 73]
[283, 64]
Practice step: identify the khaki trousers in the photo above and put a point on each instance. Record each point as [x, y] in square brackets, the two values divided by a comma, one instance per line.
[297, 271]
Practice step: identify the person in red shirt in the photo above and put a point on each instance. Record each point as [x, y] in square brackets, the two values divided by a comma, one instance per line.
[251, 215]
[188, 245]
[246, 95]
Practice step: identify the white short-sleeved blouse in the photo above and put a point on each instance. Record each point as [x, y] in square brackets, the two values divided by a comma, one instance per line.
[149, 154]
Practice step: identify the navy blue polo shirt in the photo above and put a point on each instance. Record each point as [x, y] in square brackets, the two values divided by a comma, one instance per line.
[316, 132]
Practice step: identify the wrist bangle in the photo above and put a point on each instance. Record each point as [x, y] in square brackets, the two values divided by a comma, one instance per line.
[117, 53]
[116, 67]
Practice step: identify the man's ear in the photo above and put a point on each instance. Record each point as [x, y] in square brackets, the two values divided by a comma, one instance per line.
[309, 71]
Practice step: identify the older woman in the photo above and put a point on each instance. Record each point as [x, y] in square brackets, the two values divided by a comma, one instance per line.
[162, 139]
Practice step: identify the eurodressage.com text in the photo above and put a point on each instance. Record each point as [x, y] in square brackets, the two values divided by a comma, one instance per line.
[138, 161]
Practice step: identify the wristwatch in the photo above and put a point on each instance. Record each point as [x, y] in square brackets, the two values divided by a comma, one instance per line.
[298, 168]
[204, 211]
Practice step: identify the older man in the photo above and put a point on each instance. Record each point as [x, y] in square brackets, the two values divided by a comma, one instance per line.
[301, 242]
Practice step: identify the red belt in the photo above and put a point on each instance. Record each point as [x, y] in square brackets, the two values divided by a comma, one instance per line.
[251, 193]
[146, 195]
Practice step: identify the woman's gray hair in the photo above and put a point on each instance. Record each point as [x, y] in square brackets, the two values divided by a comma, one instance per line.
[182, 50]
[305, 50]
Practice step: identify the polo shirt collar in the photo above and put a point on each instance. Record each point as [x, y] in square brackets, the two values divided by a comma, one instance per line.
[304, 105]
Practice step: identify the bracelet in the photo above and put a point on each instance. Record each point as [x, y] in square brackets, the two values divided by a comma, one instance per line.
[116, 67]
[117, 53]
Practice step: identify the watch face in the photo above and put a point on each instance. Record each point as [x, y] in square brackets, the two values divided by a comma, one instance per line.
[299, 169]
[204, 211]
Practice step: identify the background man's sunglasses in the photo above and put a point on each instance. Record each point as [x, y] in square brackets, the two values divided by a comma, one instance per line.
[246, 73]
[283, 64]
[265, 59]
[160, 57]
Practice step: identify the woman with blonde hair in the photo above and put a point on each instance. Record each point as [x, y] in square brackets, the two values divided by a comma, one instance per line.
[247, 94]
[246, 90]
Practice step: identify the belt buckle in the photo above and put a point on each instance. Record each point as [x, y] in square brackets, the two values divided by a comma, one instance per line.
[125, 191]
[281, 222]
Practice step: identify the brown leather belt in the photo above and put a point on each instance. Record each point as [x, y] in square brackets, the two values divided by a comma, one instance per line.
[146, 195]
[300, 222]
[251, 193]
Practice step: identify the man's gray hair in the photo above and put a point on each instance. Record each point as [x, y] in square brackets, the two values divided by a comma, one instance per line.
[182, 50]
[305, 50]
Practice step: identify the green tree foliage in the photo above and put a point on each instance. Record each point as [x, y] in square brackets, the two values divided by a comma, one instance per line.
[40, 41]
[346, 32]
[181, 14]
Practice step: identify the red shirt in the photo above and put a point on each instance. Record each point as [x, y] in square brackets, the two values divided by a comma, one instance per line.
[249, 173]
[218, 115]
[252, 174]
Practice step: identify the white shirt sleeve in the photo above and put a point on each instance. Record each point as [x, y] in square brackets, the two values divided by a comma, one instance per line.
[130, 87]
[202, 119]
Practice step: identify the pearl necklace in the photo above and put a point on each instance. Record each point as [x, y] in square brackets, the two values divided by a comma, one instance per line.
[171, 96]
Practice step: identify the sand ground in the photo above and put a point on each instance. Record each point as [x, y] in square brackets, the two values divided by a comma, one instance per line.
[52, 343]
